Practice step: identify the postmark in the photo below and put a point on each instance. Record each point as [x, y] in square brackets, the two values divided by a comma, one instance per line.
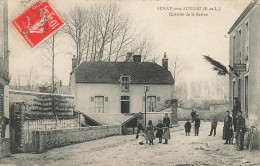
[37, 23]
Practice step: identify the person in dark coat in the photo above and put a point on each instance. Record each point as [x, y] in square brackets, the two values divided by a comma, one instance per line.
[241, 129]
[139, 127]
[193, 114]
[187, 127]
[150, 129]
[197, 125]
[159, 131]
[4, 122]
[214, 124]
[236, 109]
[166, 132]
[227, 135]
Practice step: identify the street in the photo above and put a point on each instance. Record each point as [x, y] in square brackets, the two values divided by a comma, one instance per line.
[124, 150]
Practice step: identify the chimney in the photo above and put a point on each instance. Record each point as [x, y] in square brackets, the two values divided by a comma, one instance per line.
[137, 58]
[165, 61]
[74, 62]
[128, 55]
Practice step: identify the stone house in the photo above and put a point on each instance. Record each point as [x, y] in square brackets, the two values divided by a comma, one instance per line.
[244, 58]
[118, 87]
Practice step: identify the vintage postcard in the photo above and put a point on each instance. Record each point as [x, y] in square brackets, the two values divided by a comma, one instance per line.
[129, 82]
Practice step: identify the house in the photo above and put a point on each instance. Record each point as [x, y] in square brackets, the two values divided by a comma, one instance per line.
[4, 81]
[118, 87]
[244, 58]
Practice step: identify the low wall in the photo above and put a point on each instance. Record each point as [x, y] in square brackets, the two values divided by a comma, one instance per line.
[215, 110]
[44, 140]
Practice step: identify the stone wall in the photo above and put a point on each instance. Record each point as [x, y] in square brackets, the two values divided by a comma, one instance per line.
[44, 140]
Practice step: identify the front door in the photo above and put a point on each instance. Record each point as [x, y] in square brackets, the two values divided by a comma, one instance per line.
[125, 104]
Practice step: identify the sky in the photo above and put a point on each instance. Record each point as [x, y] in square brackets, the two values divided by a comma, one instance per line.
[187, 37]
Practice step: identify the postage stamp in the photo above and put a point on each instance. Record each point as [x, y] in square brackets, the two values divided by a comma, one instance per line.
[37, 23]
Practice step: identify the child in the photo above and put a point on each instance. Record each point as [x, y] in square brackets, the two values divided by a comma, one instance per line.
[214, 124]
[141, 137]
[187, 127]
[159, 132]
[150, 129]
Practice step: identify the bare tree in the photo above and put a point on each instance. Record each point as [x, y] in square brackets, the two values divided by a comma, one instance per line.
[145, 47]
[31, 78]
[176, 68]
[76, 28]
[50, 56]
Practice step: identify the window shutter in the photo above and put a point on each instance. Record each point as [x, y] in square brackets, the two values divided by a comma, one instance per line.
[92, 99]
[106, 99]
[158, 99]
[143, 99]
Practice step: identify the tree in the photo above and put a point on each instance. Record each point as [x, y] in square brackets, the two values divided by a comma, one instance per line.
[176, 68]
[50, 47]
[104, 32]
[31, 78]
[219, 67]
[76, 27]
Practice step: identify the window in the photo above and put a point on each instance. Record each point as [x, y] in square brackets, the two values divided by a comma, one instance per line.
[234, 50]
[246, 40]
[125, 104]
[239, 89]
[234, 86]
[239, 46]
[246, 96]
[151, 103]
[125, 84]
[99, 104]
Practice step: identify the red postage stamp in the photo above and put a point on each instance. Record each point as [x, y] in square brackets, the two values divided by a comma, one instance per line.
[37, 23]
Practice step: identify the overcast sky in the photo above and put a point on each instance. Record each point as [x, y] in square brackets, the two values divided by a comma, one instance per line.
[186, 37]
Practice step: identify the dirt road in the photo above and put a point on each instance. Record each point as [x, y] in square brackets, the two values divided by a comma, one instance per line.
[124, 150]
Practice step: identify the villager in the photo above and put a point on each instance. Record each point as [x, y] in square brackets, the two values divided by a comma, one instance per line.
[141, 137]
[236, 109]
[150, 129]
[214, 124]
[139, 127]
[193, 114]
[227, 129]
[197, 125]
[241, 129]
[159, 131]
[166, 132]
[187, 127]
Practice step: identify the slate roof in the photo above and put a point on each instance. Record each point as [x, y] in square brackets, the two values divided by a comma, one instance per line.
[110, 119]
[110, 72]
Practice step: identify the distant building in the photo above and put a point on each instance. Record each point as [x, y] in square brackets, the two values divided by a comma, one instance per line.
[244, 57]
[118, 87]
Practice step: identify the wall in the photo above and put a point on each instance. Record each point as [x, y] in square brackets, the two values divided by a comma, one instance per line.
[215, 110]
[44, 140]
[29, 99]
[155, 116]
[84, 93]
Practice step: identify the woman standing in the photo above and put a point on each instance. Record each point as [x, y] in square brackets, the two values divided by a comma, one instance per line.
[150, 129]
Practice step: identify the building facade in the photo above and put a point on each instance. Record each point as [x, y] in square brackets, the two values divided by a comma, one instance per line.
[4, 80]
[118, 87]
[244, 58]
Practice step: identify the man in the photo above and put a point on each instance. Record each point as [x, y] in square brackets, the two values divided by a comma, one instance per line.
[241, 129]
[166, 132]
[197, 125]
[236, 109]
[227, 128]
[4, 122]
[193, 114]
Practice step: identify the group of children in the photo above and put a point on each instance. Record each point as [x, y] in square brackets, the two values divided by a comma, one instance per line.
[187, 126]
[162, 132]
